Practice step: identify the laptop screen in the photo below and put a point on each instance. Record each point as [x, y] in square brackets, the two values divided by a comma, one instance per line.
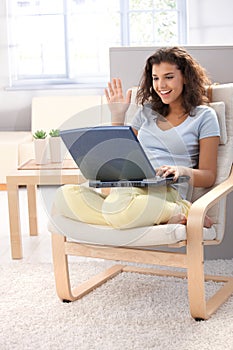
[108, 153]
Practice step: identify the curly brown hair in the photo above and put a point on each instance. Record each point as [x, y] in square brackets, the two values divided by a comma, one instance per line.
[194, 91]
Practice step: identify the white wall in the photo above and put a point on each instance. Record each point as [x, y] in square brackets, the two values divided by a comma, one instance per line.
[210, 22]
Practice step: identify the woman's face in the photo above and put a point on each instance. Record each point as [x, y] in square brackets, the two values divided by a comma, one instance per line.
[168, 82]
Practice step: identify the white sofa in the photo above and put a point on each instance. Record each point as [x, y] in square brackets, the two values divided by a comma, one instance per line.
[47, 112]
[10, 152]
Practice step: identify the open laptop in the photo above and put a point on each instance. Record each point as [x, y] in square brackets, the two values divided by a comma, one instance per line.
[112, 156]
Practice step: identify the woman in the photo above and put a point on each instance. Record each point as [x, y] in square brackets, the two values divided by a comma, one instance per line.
[177, 130]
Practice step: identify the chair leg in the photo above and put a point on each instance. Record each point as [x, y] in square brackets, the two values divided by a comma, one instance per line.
[221, 295]
[61, 270]
[200, 307]
[62, 276]
[196, 279]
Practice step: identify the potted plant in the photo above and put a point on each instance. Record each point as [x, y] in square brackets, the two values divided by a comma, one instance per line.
[55, 146]
[41, 149]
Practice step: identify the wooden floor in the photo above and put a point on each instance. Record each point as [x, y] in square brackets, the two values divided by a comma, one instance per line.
[35, 249]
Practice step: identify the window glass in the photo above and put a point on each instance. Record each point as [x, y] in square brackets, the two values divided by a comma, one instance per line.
[40, 51]
[67, 41]
[90, 36]
[144, 5]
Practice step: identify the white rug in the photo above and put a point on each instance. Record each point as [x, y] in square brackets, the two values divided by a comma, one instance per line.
[130, 312]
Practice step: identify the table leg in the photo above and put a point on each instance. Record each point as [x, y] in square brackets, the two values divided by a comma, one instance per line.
[32, 209]
[14, 219]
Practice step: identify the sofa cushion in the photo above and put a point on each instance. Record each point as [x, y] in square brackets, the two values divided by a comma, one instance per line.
[55, 112]
[15, 137]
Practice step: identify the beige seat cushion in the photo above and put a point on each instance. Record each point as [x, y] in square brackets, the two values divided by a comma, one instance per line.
[136, 237]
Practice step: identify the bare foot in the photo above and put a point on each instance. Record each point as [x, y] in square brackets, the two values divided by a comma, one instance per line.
[208, 222]
[181, 219]
[178, 219]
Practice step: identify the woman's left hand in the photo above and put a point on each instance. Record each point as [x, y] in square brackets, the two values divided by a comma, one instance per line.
[176, 171]
[167, 170]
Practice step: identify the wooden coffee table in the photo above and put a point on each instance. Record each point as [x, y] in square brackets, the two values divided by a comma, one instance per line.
[31, 176]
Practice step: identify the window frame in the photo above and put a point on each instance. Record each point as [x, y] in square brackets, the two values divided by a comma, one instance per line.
[63, 80]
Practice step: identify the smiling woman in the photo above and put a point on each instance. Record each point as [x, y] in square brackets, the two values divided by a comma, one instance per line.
[188, 146]
[168, 82]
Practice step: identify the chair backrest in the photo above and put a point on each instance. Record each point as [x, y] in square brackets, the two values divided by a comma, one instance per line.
[222, 102]
[222, 94]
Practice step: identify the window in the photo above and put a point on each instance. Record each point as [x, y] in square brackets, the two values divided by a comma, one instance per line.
[67, 41]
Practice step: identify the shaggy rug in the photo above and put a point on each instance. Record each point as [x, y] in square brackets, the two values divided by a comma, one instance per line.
[129, 312]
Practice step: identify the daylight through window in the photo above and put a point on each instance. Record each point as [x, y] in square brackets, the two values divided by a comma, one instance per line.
[67, 41]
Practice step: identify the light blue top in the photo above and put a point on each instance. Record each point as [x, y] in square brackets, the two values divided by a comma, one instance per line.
[178, 145]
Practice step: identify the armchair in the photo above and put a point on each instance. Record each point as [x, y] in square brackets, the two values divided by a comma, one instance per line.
[143, 245]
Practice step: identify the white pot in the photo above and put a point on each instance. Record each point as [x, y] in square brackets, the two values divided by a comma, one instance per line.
[41, 151]
[55, 149]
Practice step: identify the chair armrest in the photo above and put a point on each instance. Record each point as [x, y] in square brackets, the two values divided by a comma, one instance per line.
[200, 207]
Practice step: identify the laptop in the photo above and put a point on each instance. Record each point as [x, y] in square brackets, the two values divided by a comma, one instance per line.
[112, 156]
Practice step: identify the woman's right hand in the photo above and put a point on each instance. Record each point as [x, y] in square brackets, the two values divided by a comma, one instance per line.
[118, 104]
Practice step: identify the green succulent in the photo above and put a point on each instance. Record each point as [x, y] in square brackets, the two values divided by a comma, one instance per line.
[40, 134]
[54, 133]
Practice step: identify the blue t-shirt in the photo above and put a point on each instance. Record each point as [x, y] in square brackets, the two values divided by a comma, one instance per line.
[179, 145]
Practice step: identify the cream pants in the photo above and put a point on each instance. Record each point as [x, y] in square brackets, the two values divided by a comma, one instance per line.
[122, 208]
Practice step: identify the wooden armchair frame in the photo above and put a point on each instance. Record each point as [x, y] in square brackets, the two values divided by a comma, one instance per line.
[192, 260]
[192, 256]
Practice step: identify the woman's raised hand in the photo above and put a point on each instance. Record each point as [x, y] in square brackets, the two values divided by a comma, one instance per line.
[118, 104]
